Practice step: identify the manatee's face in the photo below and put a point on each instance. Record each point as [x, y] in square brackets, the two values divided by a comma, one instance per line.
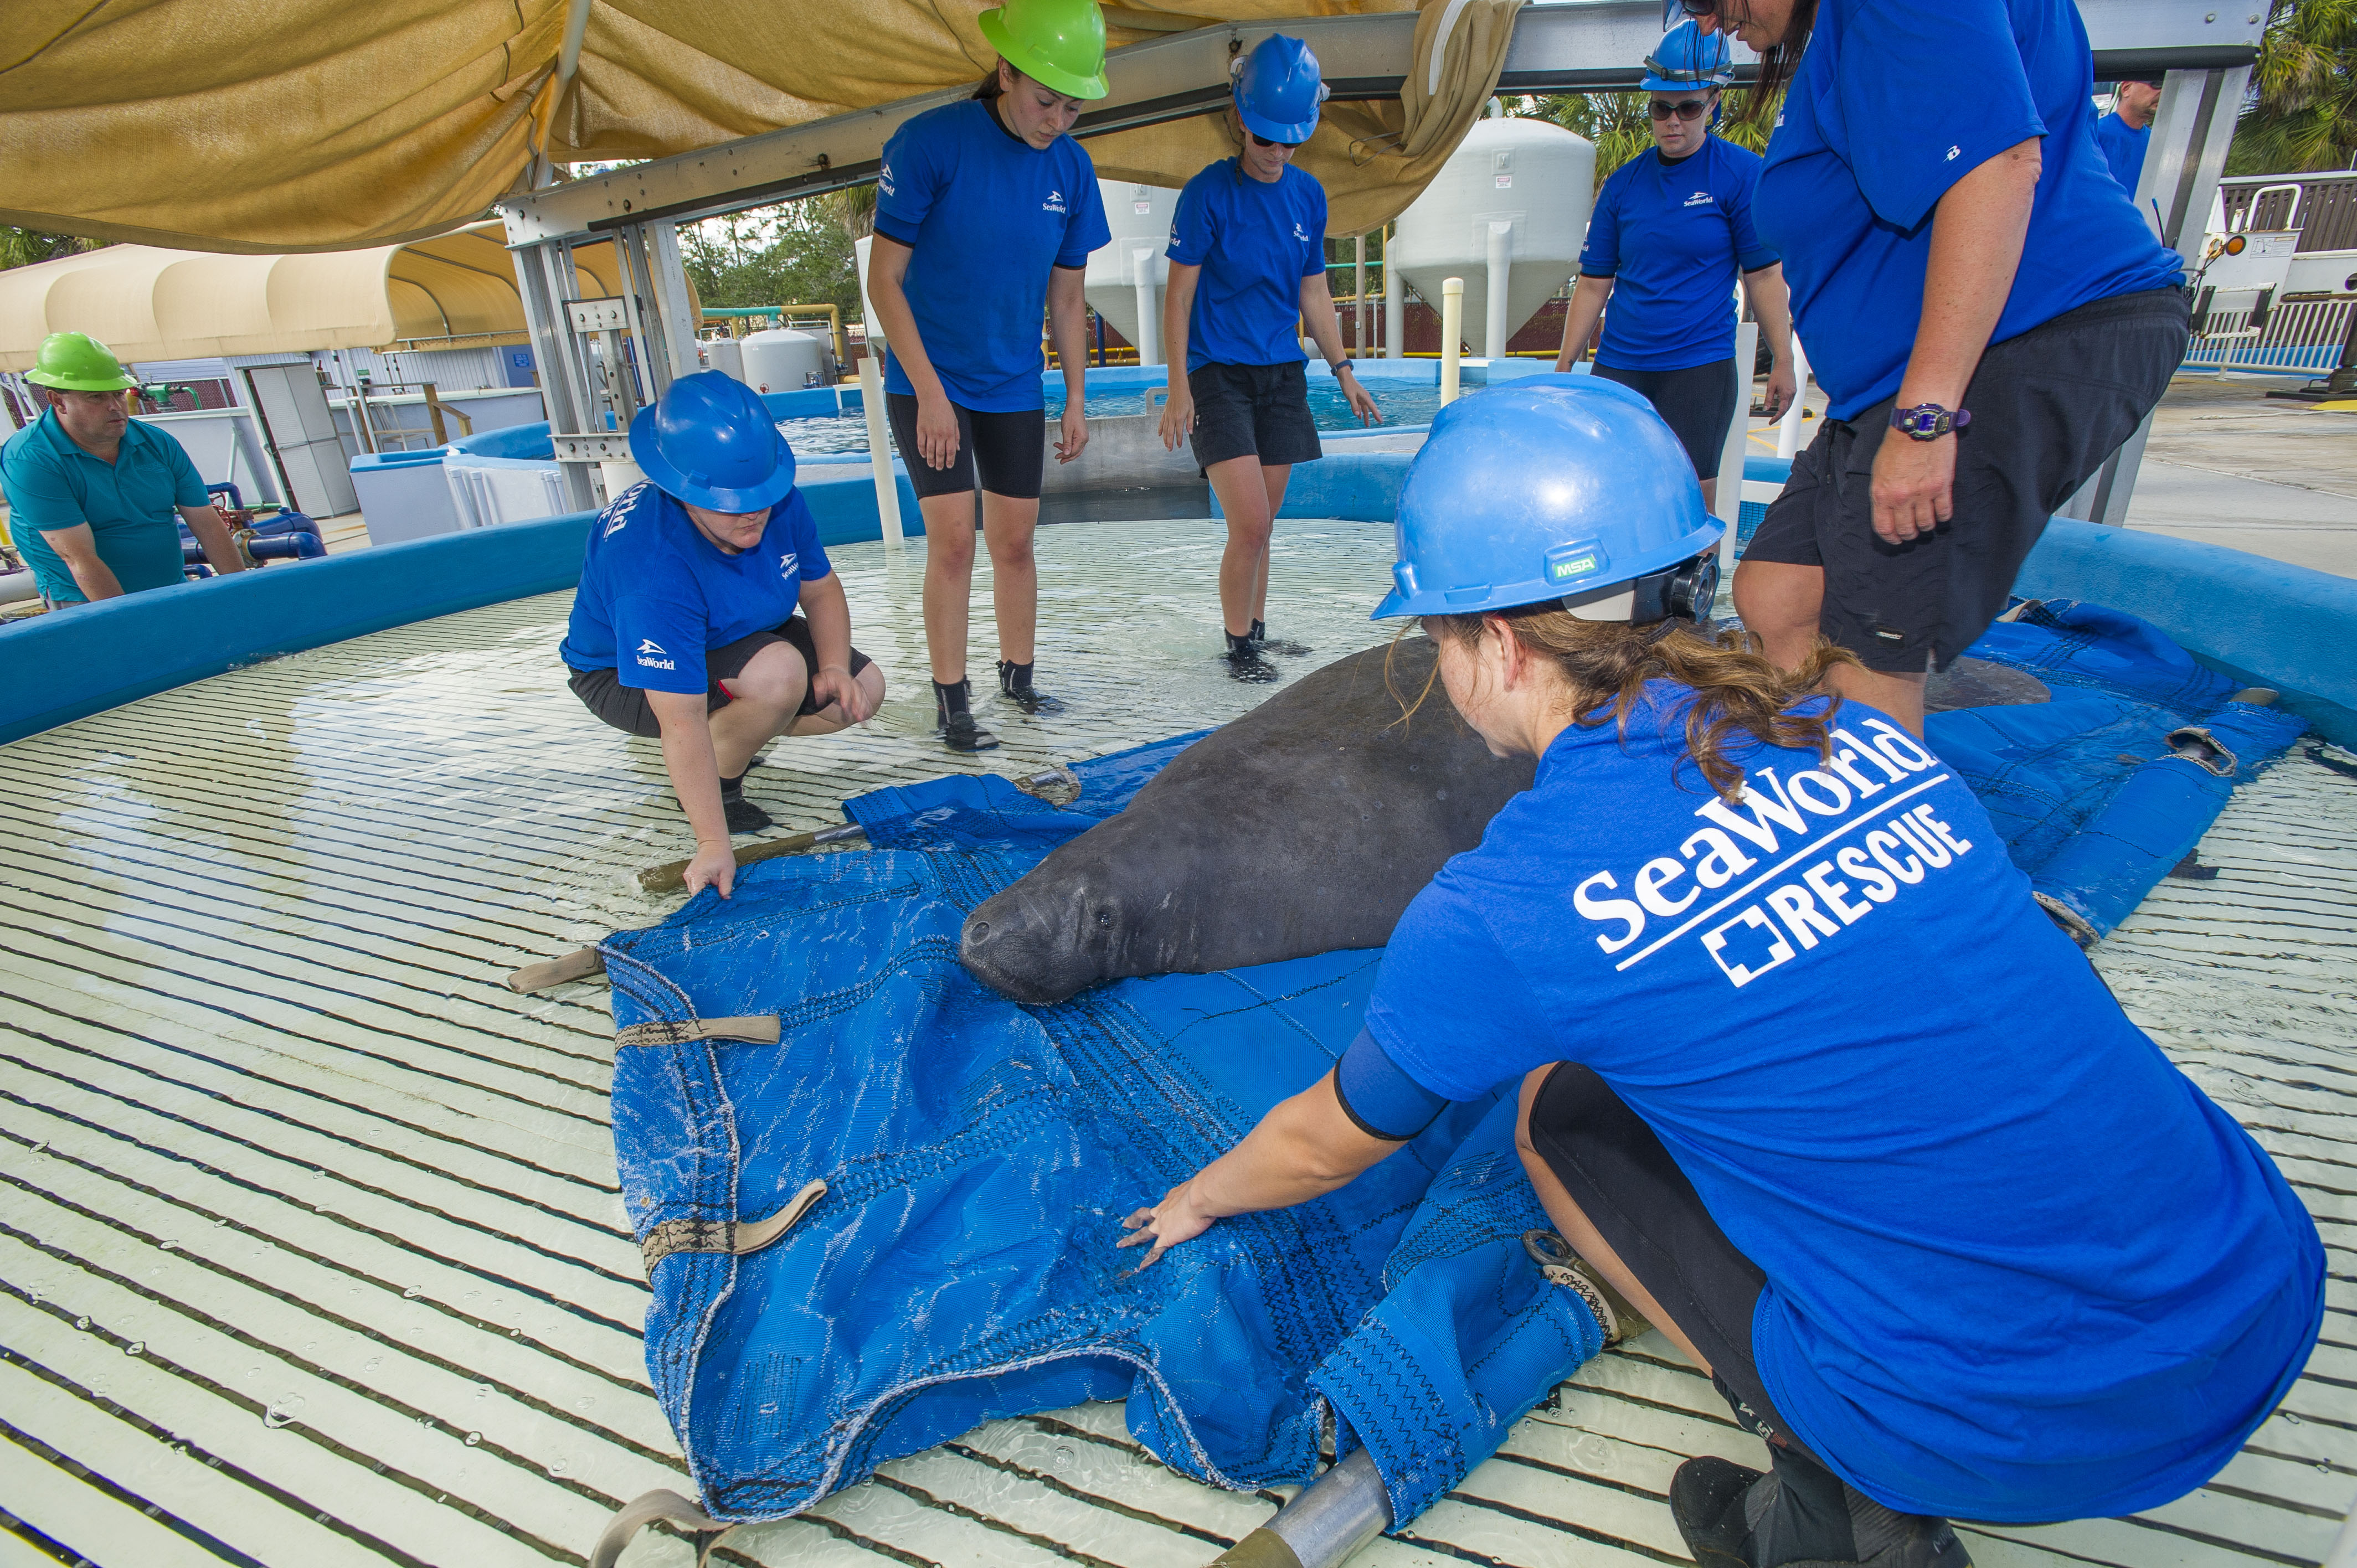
[1055, 931]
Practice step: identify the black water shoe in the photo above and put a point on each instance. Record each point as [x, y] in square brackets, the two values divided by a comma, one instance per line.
[1289, 648]
[743, 816]
[1015, 685]
[953, 719]
[1245, 662]
[1798, 1515]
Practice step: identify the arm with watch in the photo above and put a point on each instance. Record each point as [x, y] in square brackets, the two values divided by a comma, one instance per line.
[1977, 232]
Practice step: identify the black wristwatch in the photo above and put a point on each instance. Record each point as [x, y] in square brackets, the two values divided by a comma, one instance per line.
[1929, 421]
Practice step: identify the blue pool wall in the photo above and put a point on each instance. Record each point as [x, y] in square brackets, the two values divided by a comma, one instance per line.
[2260, 621]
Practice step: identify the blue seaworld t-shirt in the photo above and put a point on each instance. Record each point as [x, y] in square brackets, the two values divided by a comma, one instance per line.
[2124, 148]
[989, 216]
[2018, 1266]
[1892, 104]
[656, 596]
[1255, 242]
[1672, 236]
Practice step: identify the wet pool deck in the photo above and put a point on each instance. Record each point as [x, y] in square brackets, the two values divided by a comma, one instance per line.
[310, 1249]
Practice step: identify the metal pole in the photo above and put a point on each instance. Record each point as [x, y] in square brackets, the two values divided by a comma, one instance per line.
[1452, 324]
[1149, 326]
[880, 450]
[544, 279]
[1358, 289]
[1394, 302]
[1502, 259]
[674, 324]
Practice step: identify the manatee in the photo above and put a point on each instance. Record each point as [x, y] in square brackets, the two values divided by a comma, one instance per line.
[1982, 683]
[1305, 826]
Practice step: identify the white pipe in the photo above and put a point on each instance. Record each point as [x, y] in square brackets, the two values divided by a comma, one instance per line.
[1738, 445]
[1359, 288]
[1494, 326]
[879, 448]
[17, 586]
[1452, 323]
[1150, 318]
[1788, 429]
[1395, 305]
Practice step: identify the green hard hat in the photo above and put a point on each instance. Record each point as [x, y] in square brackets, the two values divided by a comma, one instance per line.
[75, 362]
[1058, 42]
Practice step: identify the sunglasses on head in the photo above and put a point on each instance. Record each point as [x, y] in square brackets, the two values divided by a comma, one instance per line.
[1687, 109]
[1261, 141]
[1690, 7]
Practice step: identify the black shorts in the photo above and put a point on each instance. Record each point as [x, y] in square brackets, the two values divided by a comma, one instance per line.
[2047, 408]
[1697, 403]
[1253, 411]
[1002, 453]
[626, 709]
[1648, 1212]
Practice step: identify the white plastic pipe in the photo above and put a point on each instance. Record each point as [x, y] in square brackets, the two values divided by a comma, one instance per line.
[879, 447]
[1395, 309]
[1452, 323]
[1502, 260]
[1738, 445]
[1149, 314]
[1788, 429]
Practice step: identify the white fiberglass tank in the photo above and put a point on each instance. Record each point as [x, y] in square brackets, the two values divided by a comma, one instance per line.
[1530, 182]
[782, 360]
[1139, 217]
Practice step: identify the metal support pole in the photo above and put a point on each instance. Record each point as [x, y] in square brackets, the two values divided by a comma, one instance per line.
[1452, 323]
[1493, 318]
[2191, 129]
[546, 280]
[1149, 315]
[675, 322]
[1359, 291]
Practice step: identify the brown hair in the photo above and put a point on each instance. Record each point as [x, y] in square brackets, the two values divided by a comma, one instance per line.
[989, 87]
[1607, 663]
[1778, 65]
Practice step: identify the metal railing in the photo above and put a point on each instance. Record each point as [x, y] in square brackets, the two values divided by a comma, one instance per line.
[2299, 335]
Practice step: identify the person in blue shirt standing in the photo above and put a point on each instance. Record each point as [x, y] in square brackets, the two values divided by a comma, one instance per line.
[986, 210]
[2125, 134]
[92, 491]
[684, 628]
[1247, 268]
[1987, 313]
[1668, 234]
[1971, 1246]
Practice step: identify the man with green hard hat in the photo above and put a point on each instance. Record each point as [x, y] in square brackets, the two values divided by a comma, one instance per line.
[92, 491]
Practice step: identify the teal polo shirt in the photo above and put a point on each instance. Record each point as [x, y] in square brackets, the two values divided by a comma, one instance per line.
[54, 485]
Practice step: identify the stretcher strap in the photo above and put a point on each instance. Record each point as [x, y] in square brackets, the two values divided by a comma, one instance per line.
[651, 1508]
[664, 1032]
[736, 1236]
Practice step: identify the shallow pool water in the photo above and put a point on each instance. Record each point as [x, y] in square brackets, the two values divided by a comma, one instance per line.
[837, 435]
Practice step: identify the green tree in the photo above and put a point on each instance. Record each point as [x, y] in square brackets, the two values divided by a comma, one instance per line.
[23, 247]
[796, 253]
[2302, 110]
[1619, 123]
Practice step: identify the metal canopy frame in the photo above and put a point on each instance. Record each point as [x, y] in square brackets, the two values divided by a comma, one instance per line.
[2205, 47]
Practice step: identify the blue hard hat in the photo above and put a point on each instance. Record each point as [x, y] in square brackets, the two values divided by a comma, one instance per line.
[1552, 487]
[1685, 58]
[1278, 90]
[710, 441]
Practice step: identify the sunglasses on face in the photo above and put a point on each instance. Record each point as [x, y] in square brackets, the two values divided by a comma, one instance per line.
[1686, 109]
[1260, 141]
[1690, 7]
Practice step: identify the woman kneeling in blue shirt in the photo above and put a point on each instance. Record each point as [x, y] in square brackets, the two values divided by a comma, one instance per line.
[1806, 1076]
[1248, 263]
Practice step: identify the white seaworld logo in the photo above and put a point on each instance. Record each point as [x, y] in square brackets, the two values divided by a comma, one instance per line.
[648, 645]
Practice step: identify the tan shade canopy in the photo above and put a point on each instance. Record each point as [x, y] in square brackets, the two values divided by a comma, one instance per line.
[150, 304]
[274, 126]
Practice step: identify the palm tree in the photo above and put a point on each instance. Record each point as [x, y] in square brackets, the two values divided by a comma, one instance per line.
[2302, 111]
[1617, 122]
[23, 247]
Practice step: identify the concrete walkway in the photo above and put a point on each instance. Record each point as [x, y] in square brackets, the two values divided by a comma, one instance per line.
[2228, 465]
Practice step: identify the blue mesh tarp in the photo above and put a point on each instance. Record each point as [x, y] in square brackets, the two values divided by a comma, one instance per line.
[2092, 798]
[978, 1157]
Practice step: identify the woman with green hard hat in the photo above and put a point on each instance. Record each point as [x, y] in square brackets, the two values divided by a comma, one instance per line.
[985, 212]
[92, 491]
[1963, 1246]
[1247, 269]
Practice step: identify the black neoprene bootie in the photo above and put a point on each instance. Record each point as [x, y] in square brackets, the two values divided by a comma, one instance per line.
[743, 816]
[1245, 662]
[1015, 685]
[1798, 1515]
[1289, 649]
[953, 719]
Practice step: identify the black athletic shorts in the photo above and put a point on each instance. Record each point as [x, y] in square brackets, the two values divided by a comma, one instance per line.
[626, 709]
[1253, 411]
[1002, 453]
[1698, 405]
[2047, 408]
[1650, 1215]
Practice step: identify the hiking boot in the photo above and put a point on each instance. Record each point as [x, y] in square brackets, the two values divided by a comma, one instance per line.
[1798, 1515]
